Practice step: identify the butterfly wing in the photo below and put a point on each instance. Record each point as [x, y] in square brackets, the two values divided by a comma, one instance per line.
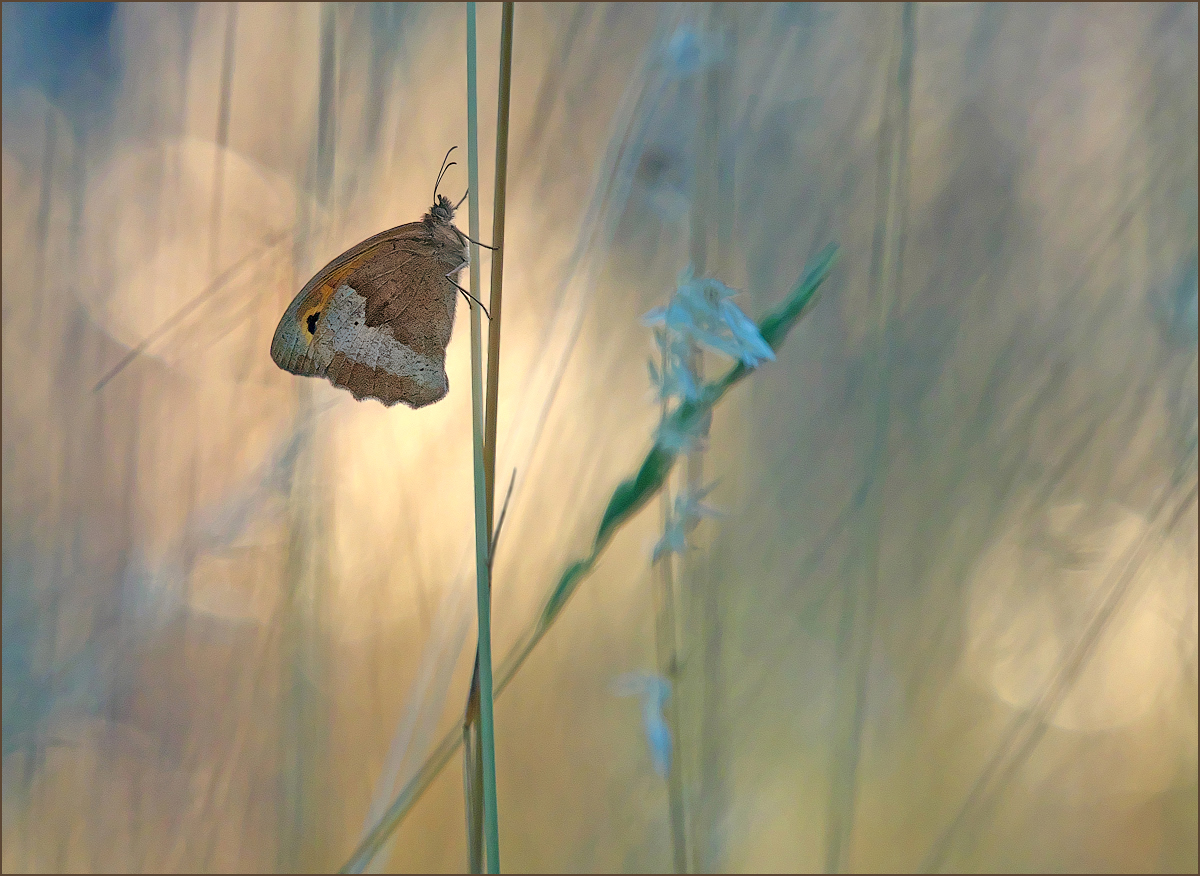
[376, 320]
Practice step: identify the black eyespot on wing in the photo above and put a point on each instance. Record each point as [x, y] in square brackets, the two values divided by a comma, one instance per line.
[312, 322]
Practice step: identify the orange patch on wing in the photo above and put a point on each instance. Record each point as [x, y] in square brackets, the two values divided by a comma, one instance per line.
[329, 282]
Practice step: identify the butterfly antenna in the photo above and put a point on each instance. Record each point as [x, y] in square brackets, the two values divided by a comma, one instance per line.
[439, 179]
[443, 170]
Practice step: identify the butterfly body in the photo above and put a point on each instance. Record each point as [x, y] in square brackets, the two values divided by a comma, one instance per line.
[377, 319]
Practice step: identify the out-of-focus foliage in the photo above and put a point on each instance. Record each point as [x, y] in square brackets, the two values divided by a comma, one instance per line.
[236, 604]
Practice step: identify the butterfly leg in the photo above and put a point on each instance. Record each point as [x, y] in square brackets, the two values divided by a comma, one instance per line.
[484, 245]
[476, 242]
[470, 297]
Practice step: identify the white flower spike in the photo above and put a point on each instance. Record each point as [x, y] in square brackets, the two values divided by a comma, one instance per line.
[702, 311]
[684, 517]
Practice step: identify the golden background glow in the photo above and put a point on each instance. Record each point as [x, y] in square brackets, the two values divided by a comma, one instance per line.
[227, 590]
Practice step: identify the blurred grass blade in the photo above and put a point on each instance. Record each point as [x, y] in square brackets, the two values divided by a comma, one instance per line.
[632, 494]
[776, 325]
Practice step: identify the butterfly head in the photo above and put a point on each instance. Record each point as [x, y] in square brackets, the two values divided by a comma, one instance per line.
[441, 213]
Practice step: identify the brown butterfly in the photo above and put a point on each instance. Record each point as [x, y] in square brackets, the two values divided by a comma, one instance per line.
[377, 319]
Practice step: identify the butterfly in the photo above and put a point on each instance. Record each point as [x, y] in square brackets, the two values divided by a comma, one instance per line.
[376, 320]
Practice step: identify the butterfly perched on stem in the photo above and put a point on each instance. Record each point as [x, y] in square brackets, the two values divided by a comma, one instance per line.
[376, 320]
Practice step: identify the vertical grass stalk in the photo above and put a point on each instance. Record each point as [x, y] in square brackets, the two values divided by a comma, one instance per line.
[493, 363]
[472, 765]
[856, 636]
[472, 744]
[666, 627]
[483, 656]
[486, 747]
[713, 180]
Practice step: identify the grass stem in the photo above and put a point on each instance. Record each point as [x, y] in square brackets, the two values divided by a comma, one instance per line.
[666, 628]
[487, 743]
[472, 744]
[493, 363]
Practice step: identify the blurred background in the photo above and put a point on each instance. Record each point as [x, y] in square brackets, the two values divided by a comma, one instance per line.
[949, 619]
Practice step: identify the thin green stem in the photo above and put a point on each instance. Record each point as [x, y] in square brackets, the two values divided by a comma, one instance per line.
[475, 754]
[472, 743]
[493, 364]
[484, 656]
[487, 739]
[666, 628]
